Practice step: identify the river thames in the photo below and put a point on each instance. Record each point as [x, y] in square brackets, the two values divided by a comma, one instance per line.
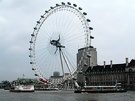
[65, 96]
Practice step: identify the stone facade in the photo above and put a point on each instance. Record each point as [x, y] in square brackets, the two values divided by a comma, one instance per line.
[110, 74]
[56, 81]
[130, 75]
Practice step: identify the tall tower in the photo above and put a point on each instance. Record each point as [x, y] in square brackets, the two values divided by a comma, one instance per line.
[90, 60]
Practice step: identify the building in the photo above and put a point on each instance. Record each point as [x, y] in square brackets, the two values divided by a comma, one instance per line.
[130, 75]
[110, 74]
[56, 80]
[90, 60]
[93, 74]
[68, 82]
[91, 56]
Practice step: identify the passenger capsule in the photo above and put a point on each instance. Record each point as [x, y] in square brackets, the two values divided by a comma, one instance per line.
[84, 13]
[88, 55]
[68, 3]
[30, 55]
[85, 64]
[90, 28]
[43, 80]
[88, 20]
[33, 69]
[51, 7]
[31, 62]
[38, 22]
[32, 35]
[35, 28]
[31, 41]
[80, 8]
[91, 37]
[74, 5]
[46, 11]
[36, 74]
[90, 46]
[80, 72]
[30, 48]
[42, 16]
[63, 3]
[57, 4]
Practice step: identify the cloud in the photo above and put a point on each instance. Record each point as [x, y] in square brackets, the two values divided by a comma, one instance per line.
[2, 20]
[15, 72]
[15, 49]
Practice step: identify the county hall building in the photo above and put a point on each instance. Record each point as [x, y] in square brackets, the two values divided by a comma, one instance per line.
[107, 74]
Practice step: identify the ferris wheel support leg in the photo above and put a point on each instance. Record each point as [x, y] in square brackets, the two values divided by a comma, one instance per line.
[76, 84]
[61, 61]
[66, 62]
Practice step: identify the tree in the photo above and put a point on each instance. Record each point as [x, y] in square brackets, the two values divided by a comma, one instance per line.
[6, 84]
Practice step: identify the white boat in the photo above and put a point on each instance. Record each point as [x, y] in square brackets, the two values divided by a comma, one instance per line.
[22, 88]
[101, 89]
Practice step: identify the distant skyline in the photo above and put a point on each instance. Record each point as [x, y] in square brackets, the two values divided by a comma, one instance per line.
[112, 20]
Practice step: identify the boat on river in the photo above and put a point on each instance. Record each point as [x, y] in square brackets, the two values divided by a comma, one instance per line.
[46, 89]
[101, 89]
[22, 88]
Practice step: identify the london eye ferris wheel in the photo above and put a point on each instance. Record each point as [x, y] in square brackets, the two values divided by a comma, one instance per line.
[56, 38]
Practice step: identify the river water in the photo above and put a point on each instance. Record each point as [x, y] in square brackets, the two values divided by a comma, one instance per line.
[65, 96]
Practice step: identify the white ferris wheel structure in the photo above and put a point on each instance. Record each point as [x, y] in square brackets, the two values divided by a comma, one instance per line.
[56, 38]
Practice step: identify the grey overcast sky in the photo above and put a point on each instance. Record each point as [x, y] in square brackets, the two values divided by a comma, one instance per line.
[113, 22]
